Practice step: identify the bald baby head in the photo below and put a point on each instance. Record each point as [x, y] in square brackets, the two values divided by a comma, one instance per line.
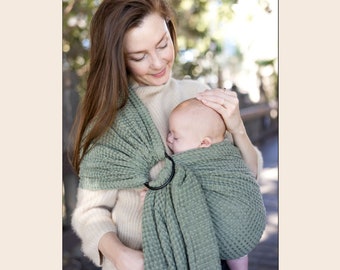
[193, 124]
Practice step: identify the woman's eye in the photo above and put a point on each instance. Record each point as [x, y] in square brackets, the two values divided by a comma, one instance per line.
[163, 46]
[138, 59]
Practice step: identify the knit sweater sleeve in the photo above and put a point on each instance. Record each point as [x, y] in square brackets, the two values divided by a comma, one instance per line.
[92, 219]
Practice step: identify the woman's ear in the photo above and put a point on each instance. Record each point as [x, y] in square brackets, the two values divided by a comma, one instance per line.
[206, 142]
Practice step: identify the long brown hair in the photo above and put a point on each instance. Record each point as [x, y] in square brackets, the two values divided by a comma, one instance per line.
[107, 82]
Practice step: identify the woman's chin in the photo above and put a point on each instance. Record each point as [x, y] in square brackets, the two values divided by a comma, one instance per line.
[154, 80]
[159, 81]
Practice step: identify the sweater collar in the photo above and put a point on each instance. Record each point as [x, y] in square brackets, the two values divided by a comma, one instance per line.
[147, 90]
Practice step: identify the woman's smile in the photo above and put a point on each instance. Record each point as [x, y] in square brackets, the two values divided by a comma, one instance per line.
[160, 74]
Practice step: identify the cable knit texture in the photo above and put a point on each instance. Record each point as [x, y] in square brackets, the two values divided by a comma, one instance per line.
[169, 214]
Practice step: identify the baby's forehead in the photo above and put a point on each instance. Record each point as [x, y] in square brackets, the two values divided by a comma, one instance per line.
[190, 105]
[195, 108]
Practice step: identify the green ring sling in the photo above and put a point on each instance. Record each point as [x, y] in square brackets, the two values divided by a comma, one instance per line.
[212, 208]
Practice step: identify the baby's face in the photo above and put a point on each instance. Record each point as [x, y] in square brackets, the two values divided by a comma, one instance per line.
[182, 135]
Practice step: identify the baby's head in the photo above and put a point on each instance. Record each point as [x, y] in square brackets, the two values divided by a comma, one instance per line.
[193, 125]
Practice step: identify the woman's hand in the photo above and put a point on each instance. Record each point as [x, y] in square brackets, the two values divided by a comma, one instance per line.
[226, 103]
[123, 257]
[130, 259]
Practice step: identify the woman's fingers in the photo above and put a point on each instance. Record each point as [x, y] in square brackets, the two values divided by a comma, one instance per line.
[219, 96]
[226, 103]
[219, 100]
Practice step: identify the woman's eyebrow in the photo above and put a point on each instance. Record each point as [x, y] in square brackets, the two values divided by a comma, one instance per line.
[143, 51]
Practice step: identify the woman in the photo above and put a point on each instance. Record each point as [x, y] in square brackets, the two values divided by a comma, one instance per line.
[133, 46]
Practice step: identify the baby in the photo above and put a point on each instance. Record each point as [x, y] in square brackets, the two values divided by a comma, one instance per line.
[194, 125]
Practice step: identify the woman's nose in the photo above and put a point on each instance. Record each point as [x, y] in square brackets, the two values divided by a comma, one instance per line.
[156, 61]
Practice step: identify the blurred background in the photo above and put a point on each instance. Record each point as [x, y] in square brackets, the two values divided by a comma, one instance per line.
[223, 43]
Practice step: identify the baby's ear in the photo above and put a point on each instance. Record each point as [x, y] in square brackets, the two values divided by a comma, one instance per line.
[206, 142]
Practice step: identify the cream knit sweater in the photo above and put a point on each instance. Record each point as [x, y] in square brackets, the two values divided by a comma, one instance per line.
[120, 211]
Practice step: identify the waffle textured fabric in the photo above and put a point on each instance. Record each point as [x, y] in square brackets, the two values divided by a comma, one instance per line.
[211, 210]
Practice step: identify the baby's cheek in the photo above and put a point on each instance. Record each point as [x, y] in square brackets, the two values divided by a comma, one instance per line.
[175, 148]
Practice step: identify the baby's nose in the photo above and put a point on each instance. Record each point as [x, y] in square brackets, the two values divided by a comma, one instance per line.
[170, 137]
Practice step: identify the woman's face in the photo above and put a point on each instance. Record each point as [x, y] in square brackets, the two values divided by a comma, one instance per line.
[149, 51]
